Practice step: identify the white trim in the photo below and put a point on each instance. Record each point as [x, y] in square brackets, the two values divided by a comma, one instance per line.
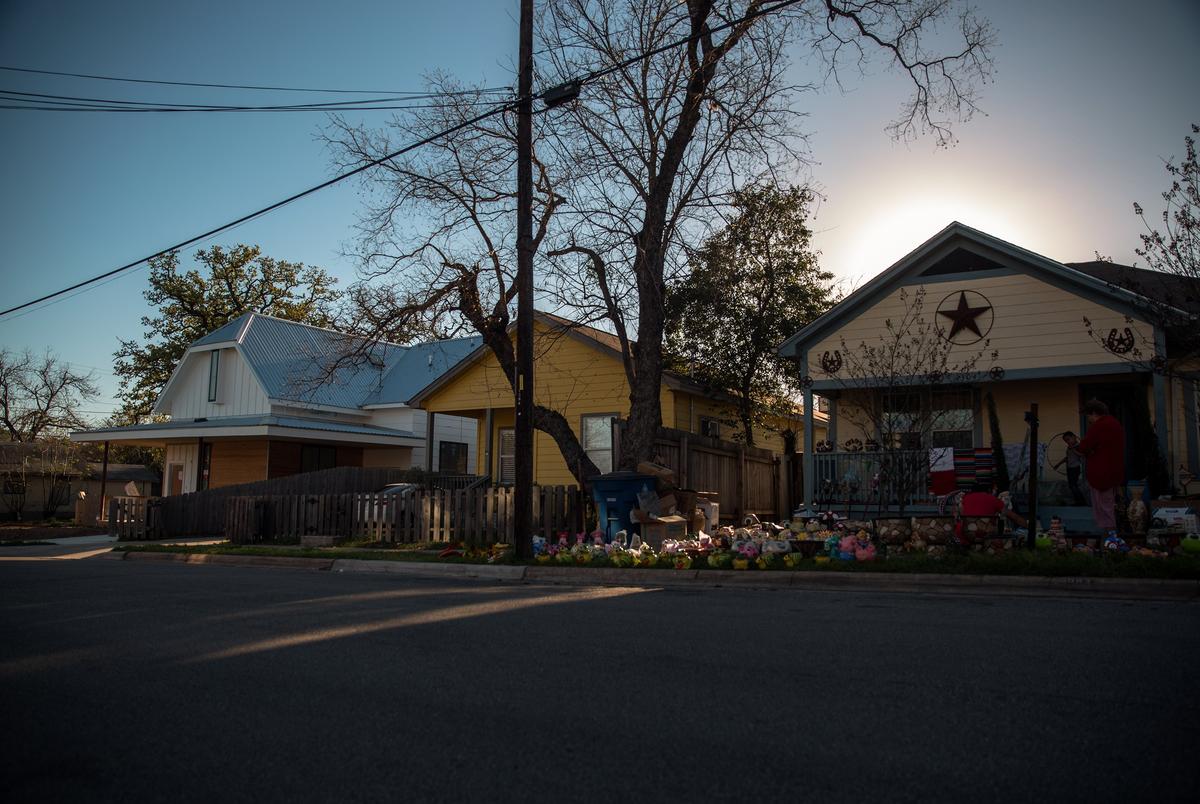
[248, 431]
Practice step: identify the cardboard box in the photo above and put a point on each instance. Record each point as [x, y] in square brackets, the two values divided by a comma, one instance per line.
[665, 527]
[664, 475]
[667, 504]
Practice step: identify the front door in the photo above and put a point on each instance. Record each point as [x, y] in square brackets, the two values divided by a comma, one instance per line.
[174, 479]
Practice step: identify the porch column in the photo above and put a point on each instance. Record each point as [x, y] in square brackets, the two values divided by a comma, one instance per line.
[1189, 423]
[809, 471]
[489, 423]
[103, 483]
[429, 417]
[1161, 423]
[833, 416]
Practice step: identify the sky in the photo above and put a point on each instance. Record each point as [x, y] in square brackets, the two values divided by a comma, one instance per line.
[1088, 98]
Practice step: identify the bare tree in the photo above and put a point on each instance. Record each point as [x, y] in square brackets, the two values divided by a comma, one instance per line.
[645, 161]
[41, 395]
[906, 390]
[1169, 285]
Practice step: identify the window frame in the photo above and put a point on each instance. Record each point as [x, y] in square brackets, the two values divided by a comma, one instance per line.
[706, 423]
[214, 374]
[501, 432]
[609, 417]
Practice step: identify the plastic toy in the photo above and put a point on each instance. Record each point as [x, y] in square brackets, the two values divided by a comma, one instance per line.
[1190, 544]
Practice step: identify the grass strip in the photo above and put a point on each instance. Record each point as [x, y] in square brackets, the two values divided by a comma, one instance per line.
[1019, 562]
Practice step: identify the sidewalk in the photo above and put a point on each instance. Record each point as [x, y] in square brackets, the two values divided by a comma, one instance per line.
[76, 547]
[928, 583]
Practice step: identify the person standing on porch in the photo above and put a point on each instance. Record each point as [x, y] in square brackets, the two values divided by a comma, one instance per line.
[1104, 448]
[1074, 462]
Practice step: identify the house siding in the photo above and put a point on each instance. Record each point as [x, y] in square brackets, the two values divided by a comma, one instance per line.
[1036, 324]
[238, 391]
[236, 462]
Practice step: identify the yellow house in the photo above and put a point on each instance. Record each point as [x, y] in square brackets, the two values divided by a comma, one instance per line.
[1024, 316]
[579, 373]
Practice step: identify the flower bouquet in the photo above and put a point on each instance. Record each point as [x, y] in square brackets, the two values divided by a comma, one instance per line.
[682, 561]
[766, 561]
[793, 560]
[741, 563]
[720, 560]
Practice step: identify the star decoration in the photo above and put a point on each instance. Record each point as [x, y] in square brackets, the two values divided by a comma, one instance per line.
[964, 317]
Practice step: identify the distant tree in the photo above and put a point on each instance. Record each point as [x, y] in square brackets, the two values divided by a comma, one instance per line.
[195, 302]
[752, 285]
[41, 395]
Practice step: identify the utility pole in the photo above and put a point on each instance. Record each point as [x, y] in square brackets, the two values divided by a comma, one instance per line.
[523, 496]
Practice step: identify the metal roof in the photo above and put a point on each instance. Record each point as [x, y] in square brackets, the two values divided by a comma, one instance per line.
[418, 367]
[296, 362]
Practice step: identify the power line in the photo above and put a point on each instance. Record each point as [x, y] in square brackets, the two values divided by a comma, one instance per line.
[219, 86]
[44, 98]
[296, 197]
[508, 106]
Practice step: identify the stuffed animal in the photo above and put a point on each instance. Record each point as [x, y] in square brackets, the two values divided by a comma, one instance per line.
[776, 546]
[1190, 543]
[1115, 543]
[846, 547]
[863, 549]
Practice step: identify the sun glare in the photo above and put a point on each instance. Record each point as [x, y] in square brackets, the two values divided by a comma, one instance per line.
[889, 231]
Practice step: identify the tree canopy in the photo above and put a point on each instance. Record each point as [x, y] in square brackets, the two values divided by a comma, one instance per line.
[751, 286]
[191, 303]
[641, 165]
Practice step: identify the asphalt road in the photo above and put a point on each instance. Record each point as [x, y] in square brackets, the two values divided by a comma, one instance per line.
[125, 681]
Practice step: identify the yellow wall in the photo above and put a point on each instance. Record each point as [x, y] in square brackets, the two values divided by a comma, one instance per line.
[1036, 325]
[690, 407]
[572, 377]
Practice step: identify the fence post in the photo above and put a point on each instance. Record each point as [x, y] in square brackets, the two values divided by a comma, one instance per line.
[684, 447]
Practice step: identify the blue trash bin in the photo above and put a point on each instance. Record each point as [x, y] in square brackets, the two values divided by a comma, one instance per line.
[616, 495]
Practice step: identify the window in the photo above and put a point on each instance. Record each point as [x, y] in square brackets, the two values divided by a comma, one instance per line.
[946, 415]
[452, 457]
[596, 439]
[506, 469]
[710, 427]
[315, 457]
[214, 367]
[952, 415]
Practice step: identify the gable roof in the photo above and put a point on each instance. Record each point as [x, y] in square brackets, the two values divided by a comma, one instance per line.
[299, 363]
[959, 234]
[605, 342]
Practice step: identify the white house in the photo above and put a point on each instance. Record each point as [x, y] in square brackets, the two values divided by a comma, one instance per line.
[261, 398]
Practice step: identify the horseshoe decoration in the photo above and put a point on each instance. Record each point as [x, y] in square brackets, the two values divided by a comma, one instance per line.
[1119, 343]
[831, 363]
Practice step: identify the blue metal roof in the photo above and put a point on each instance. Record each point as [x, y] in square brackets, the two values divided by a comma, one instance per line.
[419, 366]
[294, 362]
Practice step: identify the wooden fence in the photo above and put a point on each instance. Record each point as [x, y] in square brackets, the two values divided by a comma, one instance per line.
[203, 513]
[749, 480]
[474, 516]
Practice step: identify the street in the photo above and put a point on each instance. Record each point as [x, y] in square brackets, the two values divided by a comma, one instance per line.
[140, 681]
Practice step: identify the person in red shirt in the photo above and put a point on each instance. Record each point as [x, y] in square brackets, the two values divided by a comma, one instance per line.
[1103, 446]
[980, 502]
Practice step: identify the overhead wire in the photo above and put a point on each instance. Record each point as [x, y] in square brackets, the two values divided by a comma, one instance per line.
[228, 86]
[507, 106]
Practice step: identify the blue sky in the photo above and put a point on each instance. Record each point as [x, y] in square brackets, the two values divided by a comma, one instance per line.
[1088, 98]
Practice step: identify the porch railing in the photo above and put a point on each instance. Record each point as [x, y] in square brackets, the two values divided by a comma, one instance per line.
[865, 482]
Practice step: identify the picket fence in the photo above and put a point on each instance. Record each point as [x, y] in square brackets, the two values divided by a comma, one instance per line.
[475, 516]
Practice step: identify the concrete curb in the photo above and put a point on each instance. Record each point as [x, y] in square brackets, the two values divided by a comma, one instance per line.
[927, 583]
[413, 569]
